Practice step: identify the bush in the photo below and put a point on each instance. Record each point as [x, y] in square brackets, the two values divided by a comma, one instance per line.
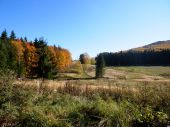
[6, 86]
[76, 67]
[100, 113]
[8, 115]
[150, 118]
[8, 112]
[33, 119]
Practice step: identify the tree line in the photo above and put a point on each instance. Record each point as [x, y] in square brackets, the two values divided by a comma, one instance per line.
[32, 59]
[138, 58]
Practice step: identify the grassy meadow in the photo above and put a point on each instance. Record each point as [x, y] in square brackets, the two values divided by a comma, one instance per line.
[125, 97]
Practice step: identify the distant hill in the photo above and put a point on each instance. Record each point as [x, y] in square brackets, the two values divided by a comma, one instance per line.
[157, 46]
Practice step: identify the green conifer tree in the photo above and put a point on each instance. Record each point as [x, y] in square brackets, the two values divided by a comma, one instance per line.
[12, 36]
[25, 39]
[4, 35]
[44, 68]
[100, 64]
[3, 55]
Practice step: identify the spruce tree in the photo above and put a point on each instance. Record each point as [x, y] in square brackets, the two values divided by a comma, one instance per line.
[12, 56]
[12, 36]
[7, 55]
[4, 35]
[100, 64]
[3, 55]
[22, 40]
[25, 39]
[44, 68]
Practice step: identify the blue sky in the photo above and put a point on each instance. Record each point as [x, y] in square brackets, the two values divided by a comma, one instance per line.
[91, 26]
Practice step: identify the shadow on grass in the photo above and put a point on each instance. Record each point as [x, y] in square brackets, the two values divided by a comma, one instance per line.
[69, 79]
[89, 78]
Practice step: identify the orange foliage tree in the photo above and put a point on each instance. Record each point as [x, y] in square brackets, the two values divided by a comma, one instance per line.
[18, 45]
[19, 50]
[27, 54]
[31, 59]
[60, 57]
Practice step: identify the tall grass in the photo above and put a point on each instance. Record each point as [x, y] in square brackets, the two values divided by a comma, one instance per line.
[74, 104]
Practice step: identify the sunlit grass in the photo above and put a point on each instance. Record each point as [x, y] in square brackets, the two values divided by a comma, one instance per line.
[149, 70]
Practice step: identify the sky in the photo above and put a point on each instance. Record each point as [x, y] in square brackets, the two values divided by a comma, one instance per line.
[91, 26]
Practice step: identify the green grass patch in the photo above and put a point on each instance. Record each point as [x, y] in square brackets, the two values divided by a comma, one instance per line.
[148, 70]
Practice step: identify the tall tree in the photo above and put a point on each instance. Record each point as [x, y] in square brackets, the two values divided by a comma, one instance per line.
[44, 67]
[25, 39]
[30, 59]
[12, 55]
[12, 36]
[61, 58]
[18, 45]
[22, 40]
[3, 55]
[100, 64]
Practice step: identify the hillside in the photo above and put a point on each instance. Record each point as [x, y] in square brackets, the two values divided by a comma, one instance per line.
[154, 54]
[156, 46]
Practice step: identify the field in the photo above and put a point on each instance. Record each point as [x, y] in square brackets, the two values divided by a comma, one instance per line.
[126, 96]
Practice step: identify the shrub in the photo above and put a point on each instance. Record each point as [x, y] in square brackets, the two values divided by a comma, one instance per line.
[6, 86]
[33, 119]
[8, 112]
[76, 67]
[150, 118]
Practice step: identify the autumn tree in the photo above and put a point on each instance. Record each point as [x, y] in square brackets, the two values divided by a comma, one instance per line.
[19, 57]
[30, 59]
[100, 64]
[61, 58]
[84, 58]
[53, 59]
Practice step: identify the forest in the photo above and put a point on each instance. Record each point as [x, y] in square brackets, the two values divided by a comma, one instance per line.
[32, 59]
[138, 58]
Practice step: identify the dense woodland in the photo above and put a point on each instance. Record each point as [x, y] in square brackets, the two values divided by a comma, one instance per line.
[32, 59]
[138, 58]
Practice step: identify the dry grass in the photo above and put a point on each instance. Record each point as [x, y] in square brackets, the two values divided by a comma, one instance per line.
[117, 84]
[117, 78]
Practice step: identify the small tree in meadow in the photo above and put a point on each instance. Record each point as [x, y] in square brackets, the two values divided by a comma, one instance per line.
[84, 58]
[100, 64]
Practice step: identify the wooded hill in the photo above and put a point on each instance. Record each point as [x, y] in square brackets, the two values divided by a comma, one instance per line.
[154, 54]
[157, 46]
